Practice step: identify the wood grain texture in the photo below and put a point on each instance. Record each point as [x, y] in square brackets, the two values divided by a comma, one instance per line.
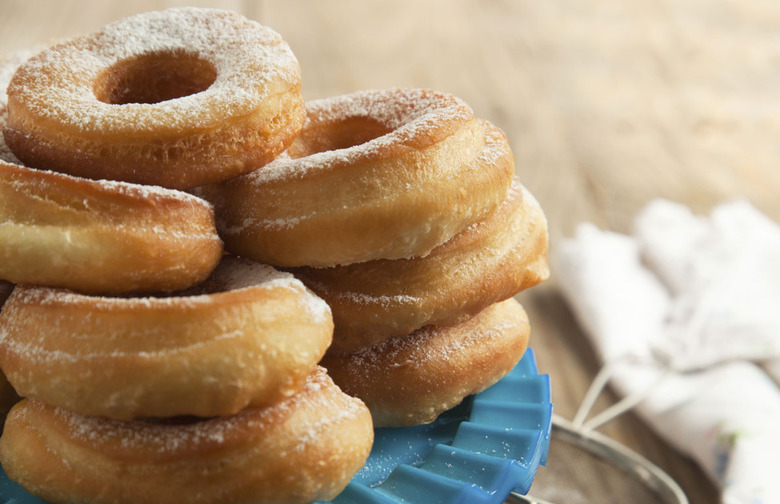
[607, 105]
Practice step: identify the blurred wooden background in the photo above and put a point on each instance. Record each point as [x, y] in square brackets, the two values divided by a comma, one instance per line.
[607, 104]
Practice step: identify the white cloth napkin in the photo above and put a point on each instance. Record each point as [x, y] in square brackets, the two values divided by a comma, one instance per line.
[687, 310]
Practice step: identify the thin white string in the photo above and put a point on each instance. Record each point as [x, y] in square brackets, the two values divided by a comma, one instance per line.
[622, 406]
[627, 403]
[598, 384]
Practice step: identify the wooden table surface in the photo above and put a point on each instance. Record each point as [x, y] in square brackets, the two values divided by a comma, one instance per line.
[607, 105]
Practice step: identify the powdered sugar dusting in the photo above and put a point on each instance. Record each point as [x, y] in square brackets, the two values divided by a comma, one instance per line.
[496, 146]
[406, 113]
[8, 66]
[364, 299]
[276, 224]
[232, 274]
[45, 296]
[34, 352]
[248, 57]
[437, 344]
[181, 439]
[95, 188]
[145, 191]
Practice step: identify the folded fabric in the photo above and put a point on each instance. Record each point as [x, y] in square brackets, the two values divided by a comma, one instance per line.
[687, 311]
[723, 273]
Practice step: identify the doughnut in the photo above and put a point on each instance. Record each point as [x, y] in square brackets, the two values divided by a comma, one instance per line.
[411, 380]
[303, 449]
[488, 262]
[176, 98]
[100, 236]
[248, 336]
[136, 239]
[379, 174]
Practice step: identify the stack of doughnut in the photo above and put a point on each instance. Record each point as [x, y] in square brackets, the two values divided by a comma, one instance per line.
[217, 290]
[155, 368]
[400, 209]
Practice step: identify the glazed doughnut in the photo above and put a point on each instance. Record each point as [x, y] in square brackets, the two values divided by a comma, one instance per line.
[249, 335]
[381, 174]
[411, 380]
[488, 262]
[100, 236]
[176, 98]
[303, 449]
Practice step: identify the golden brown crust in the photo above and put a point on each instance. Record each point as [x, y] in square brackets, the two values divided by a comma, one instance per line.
[249, 336]
[375, 174]
[486, 263]
[303, 449]
[102, 237]
[411, 380]
[176, 98]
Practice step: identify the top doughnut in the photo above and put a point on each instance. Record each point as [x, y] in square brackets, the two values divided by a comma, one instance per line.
[375, 174]
[178, 98]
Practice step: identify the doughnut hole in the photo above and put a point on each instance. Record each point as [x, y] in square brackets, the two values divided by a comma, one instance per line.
[154, 78]
[346, 133]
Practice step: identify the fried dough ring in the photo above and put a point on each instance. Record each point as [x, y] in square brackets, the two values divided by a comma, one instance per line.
[303, 449]
[411, 380]
[248, 336]
[100, 236]
[176, 98]
[488, 262]
[380, 174]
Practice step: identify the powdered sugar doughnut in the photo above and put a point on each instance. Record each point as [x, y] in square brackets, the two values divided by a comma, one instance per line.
[303, 449]
[249, 335]
[176, 98]
[411, 380]
[381, 174]
[489, 261]
[100, 236]
[142, 238]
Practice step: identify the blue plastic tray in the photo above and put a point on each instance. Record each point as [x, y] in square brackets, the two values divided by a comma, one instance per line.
[477, 453]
